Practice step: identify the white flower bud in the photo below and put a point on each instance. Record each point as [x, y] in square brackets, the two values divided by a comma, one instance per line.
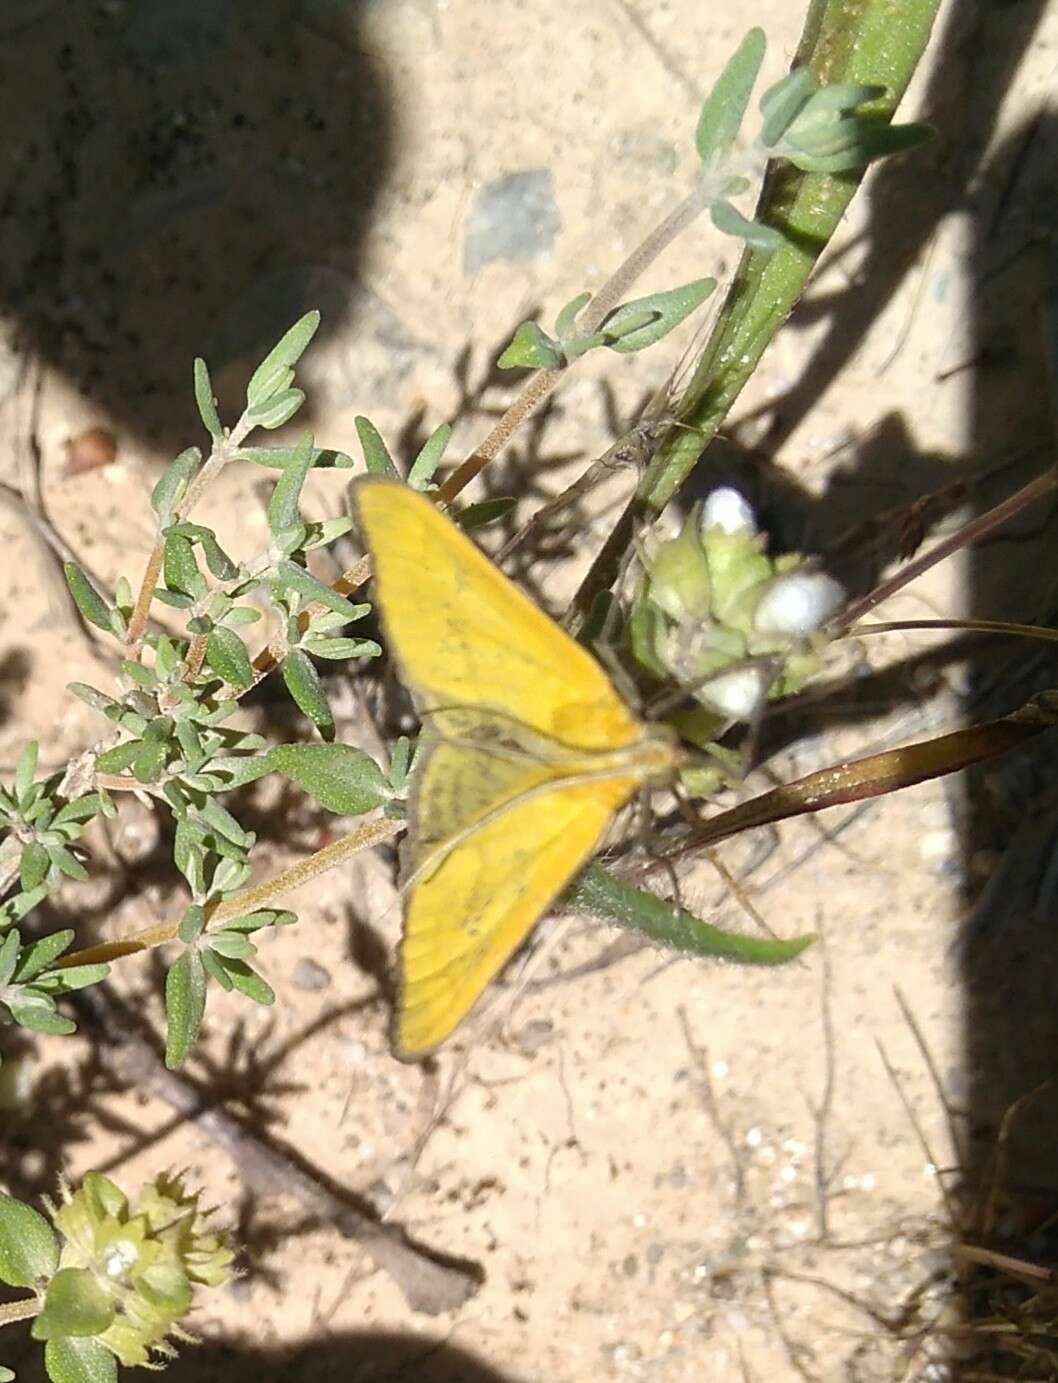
[727, 510]
[797, 604]
[736, 694]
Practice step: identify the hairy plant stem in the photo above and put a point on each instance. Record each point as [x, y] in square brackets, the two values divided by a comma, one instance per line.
[261, 896]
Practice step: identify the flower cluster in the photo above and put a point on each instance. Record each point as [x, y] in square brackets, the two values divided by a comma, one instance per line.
[727, 622]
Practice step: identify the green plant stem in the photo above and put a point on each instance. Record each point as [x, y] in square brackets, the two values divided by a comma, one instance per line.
[543, 382]
[22, 1310]
[250, 900]
[875, 42]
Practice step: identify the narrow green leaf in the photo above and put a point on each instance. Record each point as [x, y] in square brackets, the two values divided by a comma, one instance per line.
[730, 221]
[185, 1007]
[67, 863]
[597, 892]
[207, 404]
[29, 1251]
[221, 821]
[81, 809]
[279, 458]
[485, 511]
[33, 866]
[249, 983]
[79, 1360]
[429, 458]
[74, 1304]
[289, 576]
[35, 1011]
[238, 771]
[10, 952]
[283, 512]
[227, 656]
[304, 685]
[73, 977]
[277, 410]
[566, 321]
[782, 103]
[283, 355]
[25, 769]
[320, 534]
[85, 596]
[39, 955]
[337, 776]
[191, 924]
[339, 650]
[635, 325]
[149, 760]
[180, 567]
[376, 457]
[173, 484]
[214, 968]
[231, 945]
[725, 106]
[119, 758]
[99, 701]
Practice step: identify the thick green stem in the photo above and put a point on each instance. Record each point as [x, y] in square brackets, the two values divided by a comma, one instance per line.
[874, 42]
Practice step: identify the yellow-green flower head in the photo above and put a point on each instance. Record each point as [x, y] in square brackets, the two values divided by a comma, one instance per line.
[135, 1265]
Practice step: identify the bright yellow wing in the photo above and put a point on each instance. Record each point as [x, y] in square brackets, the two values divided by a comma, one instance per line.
[466, 636]
[534, 752]
[467, 915]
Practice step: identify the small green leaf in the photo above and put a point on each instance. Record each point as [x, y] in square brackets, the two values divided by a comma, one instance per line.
[237, 772]
[119, 758]
[29, 1251]
[782, 103]
[284, 354]
[149, 760]
[304, 685]
[337, 776]
[10, 952]
[227, 656]
[33, 866]
[249, 983]
[597, 892]
[75, 1304]
[39, 955]
[191, 924]
[79, 1360]
[277, 410]
[35, 1010]
[320, 534]
[81, 809]
[222, 823]
[99, 701]
[283, 512]
[565, 322]
[214, 968]
[429, 458]
[289, 576]
[279, 458]
[185, 1006]
[635, 325]
[231, 945]
[25, 769]
[725, 106]
[730, 221]
[67, 863]
[87, 599]
[73, 977]
[173, 484]
[207, 404]
[485, 511]
[181, 568]
[339, 650]
[376, 457]
[531, 348]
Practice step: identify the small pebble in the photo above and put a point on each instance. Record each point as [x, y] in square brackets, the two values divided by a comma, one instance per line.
[310, 976]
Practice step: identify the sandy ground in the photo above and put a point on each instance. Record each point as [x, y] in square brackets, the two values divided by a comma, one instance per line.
[664, 1170]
